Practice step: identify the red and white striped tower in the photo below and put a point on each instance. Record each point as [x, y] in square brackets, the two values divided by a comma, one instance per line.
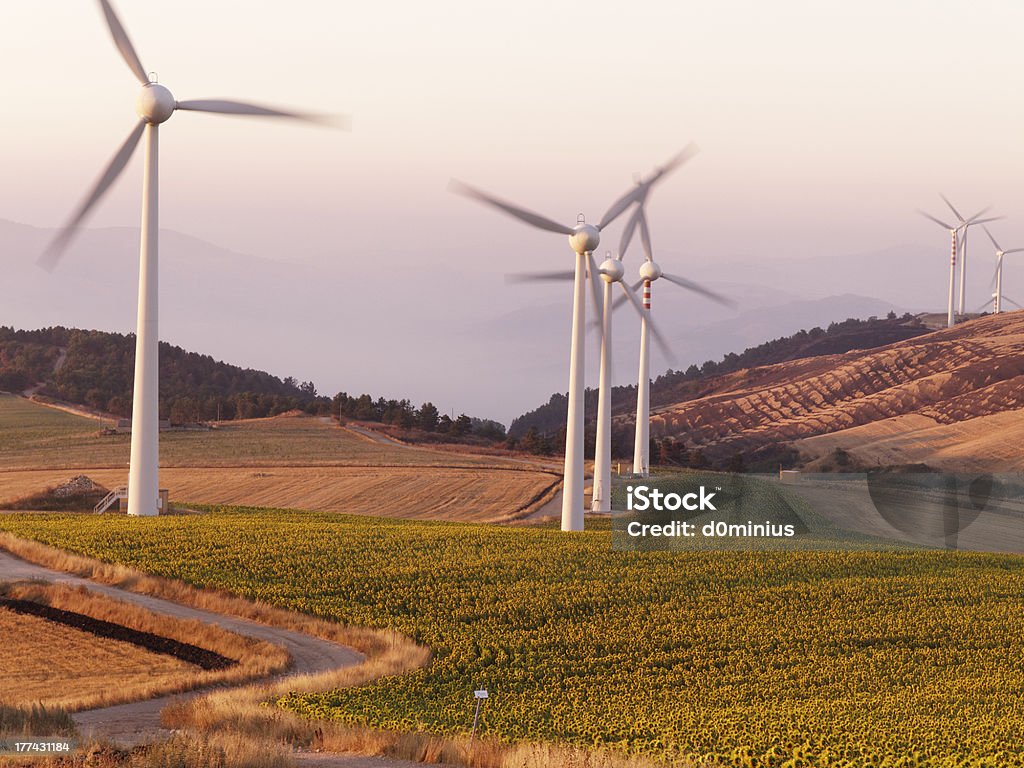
[951, 317]
[650, 272]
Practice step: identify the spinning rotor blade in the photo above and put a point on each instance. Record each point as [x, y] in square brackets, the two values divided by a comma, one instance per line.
[227, 107]
[630, 291]
[630, 294]
[645, 234]
[954, 210]
[974, 218]
[1007, 298]
[689, 285]
[627, 233]
[1014, 250]
[117, 164]
[942, 224]
[619, 206]
[992, 239]
[539, 277]
[123, 43]
[531, 218]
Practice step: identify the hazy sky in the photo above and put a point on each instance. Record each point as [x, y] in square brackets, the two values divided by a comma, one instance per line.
[822, 124]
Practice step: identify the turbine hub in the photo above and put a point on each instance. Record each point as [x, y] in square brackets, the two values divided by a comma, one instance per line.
[155, 103]
[585, 238]
[611, 270]
[650, 271]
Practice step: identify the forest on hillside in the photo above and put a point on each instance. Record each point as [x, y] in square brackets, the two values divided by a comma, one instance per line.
[98, 372]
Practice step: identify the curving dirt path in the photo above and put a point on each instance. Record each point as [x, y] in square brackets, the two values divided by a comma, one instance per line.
[138, 722]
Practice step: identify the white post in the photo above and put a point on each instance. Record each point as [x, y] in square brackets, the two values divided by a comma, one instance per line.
[143, 472]
[572, 486]
[602, 497]
[641, 446]
[997, 306]
[951, 318]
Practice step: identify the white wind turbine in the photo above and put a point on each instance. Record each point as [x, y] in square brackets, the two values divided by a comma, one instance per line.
[583, 239]
[997, 297]
[965, 226]
[649, 273]
[954, 232]
[154, 105]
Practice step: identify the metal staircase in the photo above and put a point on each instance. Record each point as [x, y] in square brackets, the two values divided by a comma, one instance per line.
[109, 500]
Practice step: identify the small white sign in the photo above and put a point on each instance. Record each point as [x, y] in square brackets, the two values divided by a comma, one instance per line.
[480, 694]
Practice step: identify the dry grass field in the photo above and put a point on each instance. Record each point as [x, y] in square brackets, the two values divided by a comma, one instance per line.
[56, 665]
[52, 663]
[297, 462]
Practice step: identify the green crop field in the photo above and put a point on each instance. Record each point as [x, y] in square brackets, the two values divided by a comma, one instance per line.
[855, 658]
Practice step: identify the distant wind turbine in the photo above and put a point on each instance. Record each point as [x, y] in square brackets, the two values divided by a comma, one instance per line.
[954, 232]
[997, 297]
[154, 105]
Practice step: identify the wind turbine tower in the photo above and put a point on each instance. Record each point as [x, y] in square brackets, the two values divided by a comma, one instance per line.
[154, 105]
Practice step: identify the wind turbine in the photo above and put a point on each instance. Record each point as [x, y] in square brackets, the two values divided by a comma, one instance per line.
[154, 105]
[997, 297]
[965, 227]
[583, 239]
[649, 273]
[953, 236]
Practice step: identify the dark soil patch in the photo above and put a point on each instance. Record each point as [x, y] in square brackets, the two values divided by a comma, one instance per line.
[192, 654]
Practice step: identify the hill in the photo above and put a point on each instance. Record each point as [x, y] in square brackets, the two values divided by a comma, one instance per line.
[96, 369]
[675, 386]
[951, 399]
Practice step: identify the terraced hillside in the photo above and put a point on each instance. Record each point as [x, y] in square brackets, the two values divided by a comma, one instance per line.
[918, 397]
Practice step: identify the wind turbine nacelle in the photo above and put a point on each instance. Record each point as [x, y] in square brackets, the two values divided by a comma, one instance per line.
[585, 238]
[155, 103]
[611, 270]
[650, 271]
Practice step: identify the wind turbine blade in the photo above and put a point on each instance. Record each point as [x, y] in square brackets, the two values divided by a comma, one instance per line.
[974, 218]
[627, 233]
[619, 206]
[972, 222]
[639, 193]
[645, 234]
[954, 210]
[630, 293]
[689, 285]
[1014, 250]
[942, 224]
[1007, 298]
[595, 289]
[684, 155]
[228, 107]
[666, 350]
[117, 164]
[539, 277]
[534, 219]
[992, 239]
[123, 43]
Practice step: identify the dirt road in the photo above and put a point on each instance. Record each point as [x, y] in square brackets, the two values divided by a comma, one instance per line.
[130, 724]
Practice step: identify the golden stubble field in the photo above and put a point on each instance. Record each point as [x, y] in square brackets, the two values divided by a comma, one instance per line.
[293, 462]
[85, 669]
